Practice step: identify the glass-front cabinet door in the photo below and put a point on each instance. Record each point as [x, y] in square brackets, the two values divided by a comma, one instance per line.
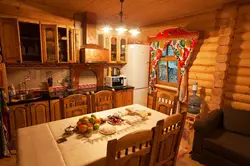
[123, 45]
[113, 50]
[50, 43]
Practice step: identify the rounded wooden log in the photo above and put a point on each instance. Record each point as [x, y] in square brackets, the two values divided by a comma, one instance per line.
[204, 91]
[201, 83]
[243, 27]
[242, 45]
[224, 40]
[213, 39]
[240, 62]
[237, 105]
[219, 83]
[205, 55]
[219, 75]
[242, 36]
[223, 50]
[221, 66]
[225, 22]
[238, 97]
[217, 92]
[216, 99]
[222, 58]
[229, 11]
[203, 69]
[207, 47]
[243, 89]
[201, 76]
[239, 80]
[226, 31]
[202, 62]
[245, 54]
[239, 71]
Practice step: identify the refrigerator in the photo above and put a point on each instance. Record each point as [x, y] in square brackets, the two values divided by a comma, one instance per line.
[136, 71]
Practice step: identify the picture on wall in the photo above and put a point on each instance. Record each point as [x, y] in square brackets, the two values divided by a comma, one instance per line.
[163, 75]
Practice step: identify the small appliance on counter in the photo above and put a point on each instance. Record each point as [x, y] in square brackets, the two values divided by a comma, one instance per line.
[114, 81]
[115, 71]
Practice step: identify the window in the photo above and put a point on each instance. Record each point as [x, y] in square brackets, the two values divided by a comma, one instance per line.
[168, 71]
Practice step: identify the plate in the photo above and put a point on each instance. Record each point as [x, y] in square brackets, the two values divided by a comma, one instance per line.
[107, 130]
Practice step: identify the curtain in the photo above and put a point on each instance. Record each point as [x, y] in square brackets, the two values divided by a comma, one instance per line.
[182, 49]
[3, 131]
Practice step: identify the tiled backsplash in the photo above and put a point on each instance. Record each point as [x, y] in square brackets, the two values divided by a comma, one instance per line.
[38, 76]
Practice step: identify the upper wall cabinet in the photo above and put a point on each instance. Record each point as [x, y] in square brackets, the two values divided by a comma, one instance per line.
[117, 46]
[10, 42]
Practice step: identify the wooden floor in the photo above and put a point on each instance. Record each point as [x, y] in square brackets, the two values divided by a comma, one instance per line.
[186, 161]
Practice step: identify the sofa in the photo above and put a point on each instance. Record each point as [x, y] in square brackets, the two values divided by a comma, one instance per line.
[223, 139]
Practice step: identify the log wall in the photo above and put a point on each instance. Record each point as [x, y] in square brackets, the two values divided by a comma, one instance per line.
[222, 56]
[237, 88]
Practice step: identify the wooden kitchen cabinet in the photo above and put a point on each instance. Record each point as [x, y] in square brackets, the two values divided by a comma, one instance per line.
[19, 117]
[124, 97]
[10, 42]
[23, 115]
[150, 101]
[55, 112]
[39, 112]
[117, 46]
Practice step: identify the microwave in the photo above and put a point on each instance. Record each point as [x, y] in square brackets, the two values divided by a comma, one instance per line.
[113, 81]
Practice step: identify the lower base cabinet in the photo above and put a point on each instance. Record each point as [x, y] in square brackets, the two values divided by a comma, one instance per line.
[124, 97]
[24, 115]
[150, 101]
[55, 112]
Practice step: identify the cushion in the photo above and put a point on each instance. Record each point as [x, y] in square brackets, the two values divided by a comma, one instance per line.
[237, 121]
[232, 146]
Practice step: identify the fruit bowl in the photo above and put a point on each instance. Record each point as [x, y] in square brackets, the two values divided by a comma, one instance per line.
[87, 125]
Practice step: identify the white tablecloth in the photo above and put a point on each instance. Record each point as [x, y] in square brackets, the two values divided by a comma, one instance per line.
[37, 144]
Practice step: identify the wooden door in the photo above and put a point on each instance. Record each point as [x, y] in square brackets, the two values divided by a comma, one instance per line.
[10, 41]
[119, 98]
[129, 97]
[55, 113]
[71, 45]
[122, 50]
[3, 78]
[39, 112]
[50, 43]
[19, 118]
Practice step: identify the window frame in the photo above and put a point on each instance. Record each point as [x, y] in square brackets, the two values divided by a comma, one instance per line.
[166, 59]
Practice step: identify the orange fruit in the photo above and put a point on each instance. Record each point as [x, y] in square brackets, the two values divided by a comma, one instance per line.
[90, 125]
[79, 123]
[83, 128]
[98, 121]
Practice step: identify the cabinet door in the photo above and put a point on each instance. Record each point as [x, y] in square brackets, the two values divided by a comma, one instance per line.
[50, 43]
[119, 99]
[113, 50]
[10, 40]
[123, 48]
[55, 112]
[19, 118]
[128, 97]
[71, 45]
[3, 78]
[39, 112]
[150, 102]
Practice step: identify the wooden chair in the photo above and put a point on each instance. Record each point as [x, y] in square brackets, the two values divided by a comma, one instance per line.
[74, 105]
[103, 100]
[165, 103]
[167, 140]
[131, 150]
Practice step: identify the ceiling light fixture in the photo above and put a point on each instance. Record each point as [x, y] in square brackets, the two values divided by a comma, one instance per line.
[122, 28]
[106, 28]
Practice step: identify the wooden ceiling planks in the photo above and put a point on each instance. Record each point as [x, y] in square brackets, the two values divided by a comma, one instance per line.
[138, 12]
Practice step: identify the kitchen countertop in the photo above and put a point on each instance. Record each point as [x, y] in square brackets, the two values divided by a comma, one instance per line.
[51, 96]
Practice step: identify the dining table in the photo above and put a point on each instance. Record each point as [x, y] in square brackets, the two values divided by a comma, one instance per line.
[37, 145]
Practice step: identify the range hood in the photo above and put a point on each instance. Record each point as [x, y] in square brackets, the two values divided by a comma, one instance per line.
[91, 52]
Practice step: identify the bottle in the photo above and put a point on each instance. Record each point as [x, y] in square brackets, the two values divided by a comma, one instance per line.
[194, 101]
